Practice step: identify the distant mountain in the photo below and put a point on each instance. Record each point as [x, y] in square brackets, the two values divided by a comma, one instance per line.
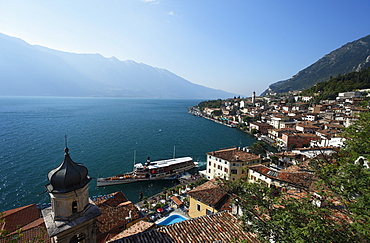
[38, 71]
[353, 56]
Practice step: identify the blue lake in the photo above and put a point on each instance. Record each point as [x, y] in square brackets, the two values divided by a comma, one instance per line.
[103, 134]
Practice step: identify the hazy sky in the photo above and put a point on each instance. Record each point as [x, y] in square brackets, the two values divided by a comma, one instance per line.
[237, 46]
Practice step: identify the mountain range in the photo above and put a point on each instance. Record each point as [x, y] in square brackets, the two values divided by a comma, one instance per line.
[353, 56]
[30, 70]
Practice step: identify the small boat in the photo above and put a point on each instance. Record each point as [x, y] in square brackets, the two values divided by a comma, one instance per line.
[156, 170]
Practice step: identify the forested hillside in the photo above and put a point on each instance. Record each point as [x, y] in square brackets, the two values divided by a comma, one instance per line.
[342, 83]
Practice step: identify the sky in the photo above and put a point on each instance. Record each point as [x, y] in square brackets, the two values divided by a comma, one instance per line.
[239, 46]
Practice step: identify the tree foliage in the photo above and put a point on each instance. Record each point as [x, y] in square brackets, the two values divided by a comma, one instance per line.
[258, 147]
[335, 209]
[342, 83]
[210, 104]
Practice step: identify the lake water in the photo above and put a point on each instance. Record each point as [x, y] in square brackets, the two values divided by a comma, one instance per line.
[103, 134]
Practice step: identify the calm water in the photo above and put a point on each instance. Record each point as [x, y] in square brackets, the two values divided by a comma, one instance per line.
[103, 134]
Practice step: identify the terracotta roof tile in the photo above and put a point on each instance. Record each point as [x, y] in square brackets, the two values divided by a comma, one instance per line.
[211, 194]
[27, 218]
[234, 155]
[36, 233]
[177, 200]
[113, 199]
[298, 179]
[19, 217]
[219, 227]
[137, 228]
[115, 212]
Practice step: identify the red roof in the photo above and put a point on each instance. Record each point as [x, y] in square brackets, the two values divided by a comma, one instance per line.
[210, 194]
[219, 227]
[19, 217]
[28, 219]
[116, 210]
[234, 155]
[176, 200]
[299, 179]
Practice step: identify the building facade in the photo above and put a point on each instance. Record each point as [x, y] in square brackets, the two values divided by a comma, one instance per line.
[229, 164]
[207, 199]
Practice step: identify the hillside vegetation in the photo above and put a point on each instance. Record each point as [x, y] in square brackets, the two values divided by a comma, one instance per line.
[342, 83]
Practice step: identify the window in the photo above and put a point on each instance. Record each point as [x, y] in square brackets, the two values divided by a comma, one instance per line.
[209, 170]
[79, 238]
[209, 163]
[198, 207]
[234, 172]
[208, 212]
[226, 170]
[74, 207]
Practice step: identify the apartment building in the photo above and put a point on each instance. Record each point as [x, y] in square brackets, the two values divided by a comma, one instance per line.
[229, 163]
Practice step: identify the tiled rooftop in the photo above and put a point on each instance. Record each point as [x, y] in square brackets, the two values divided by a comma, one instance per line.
[298, 179]
[137, 228]
[115, 210]
[29, 219]
[219, 227]
[234, 155]
[261, 124]
[177, 200]
[19, 217]
[211, 194]
[287, 154]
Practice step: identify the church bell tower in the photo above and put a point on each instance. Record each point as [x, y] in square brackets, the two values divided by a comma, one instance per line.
[254, 98]
[71, 218]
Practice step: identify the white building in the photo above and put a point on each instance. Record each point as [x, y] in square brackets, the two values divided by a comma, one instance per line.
[230, 163]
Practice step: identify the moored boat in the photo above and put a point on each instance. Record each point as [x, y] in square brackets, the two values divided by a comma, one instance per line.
[156, 170]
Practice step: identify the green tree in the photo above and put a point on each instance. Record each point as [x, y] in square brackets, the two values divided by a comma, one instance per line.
[217, 113]
[336, 210]
[258, 148]
[348, 178]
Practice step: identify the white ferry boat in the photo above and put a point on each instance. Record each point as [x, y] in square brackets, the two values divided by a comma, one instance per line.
[156, 170]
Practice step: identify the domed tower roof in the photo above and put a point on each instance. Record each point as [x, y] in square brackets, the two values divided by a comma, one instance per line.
[68, 176]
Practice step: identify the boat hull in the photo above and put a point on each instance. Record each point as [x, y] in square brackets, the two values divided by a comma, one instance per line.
[117, 180]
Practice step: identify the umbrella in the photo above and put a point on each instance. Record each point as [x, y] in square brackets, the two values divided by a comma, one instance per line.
[160, 210]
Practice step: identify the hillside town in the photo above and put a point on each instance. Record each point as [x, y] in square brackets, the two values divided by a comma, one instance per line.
[290, 121]
[209, 209]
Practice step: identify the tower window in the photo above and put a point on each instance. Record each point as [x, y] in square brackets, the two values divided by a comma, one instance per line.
[74, 207]
[79, 238]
